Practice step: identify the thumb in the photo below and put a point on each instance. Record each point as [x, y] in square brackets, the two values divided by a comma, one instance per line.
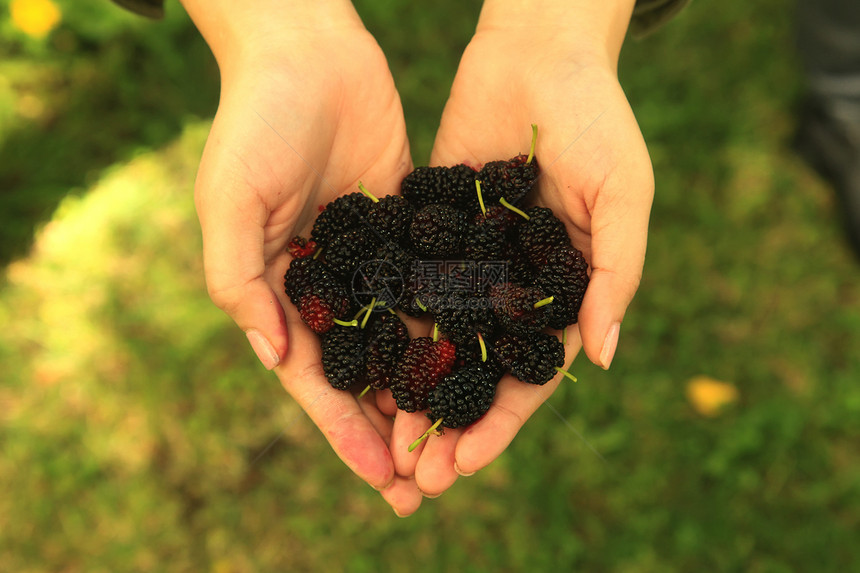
[619, 233]
[232, 223]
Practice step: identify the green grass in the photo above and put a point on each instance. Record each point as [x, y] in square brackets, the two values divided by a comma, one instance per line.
[137, 432]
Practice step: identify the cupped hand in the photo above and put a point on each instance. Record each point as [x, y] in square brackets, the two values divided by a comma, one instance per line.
[306, 112]
[596, 177]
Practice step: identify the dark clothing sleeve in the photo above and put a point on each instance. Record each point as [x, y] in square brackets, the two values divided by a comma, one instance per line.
[648, 15]
[150, 8]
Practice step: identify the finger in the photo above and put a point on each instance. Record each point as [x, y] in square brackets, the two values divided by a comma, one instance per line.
[403, 496]
[619, 233]
[385, 402]
[514, 403]
[407, 428]
[232, 223]
[382, 423]
[618, 243]
[487, 438]
[435, 470]
[351, 434]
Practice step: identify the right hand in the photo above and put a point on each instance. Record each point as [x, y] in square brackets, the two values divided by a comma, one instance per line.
[308, 108]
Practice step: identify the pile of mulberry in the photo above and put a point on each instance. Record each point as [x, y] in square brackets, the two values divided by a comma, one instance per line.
[462, 246]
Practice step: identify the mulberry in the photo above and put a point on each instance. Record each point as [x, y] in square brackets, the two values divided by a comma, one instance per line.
[390, 218]
[422, 367]
[344, 356]
[454, 186]
[437, 230]
[301, 274]
[512, 180]
[541, 234]
[462, 397]
[534, 358]
[347, 250]
[344, 213]
[461, 316]
[387, 341]
[564, 276]
[520, 309]
[318, 295]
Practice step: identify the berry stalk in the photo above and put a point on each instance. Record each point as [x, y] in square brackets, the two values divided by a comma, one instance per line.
[425, 435]
[483, 348]
[566, 373]
[519, 212]
[543, 302]
[367, 193]
[480, 197]
[369, 310]
[534, 141]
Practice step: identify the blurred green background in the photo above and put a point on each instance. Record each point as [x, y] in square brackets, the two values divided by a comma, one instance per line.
[138, 432]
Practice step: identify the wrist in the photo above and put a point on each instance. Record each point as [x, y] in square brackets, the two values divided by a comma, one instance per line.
[595, 28]
[249, 32]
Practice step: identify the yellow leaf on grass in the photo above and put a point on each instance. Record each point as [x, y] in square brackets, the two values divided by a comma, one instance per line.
[709, 396]
[35, 18]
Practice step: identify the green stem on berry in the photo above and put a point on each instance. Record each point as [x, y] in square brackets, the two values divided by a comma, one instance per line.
[365, 391]
[566, 373]
[480, 197]
[364, 190]
[564, 336]
[425, 435]
[369, 310]
[544, 302]
[435, 332]
[352, 322]
[483, 348]
[534, 141]
[421, 306]
[317, 253]
[504, 202]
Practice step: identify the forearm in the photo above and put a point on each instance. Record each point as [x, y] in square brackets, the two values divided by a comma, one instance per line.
[238, 31]
[596, 26]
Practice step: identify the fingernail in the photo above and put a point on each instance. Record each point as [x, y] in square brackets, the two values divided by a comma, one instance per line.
[609, 344]
[263, 348]
[397, 513]
[383, 488]
[428, 496]
[461, 472]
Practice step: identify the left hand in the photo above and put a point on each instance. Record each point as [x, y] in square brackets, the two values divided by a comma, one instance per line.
[596, 177]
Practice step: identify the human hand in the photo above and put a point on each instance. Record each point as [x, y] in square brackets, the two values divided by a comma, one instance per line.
[308, 108]
[552, 64]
